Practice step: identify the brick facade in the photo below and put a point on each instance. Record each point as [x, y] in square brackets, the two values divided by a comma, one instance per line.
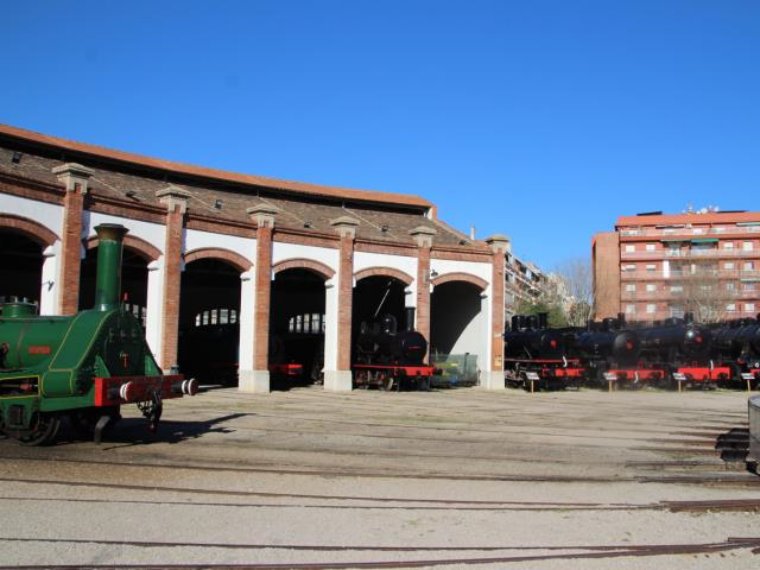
[176, 205]
[74, 178]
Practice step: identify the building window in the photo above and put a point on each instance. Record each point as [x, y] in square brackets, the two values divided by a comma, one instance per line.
[630, 248]
[651, 267]
[676, 288]
[729, 265]
[749, 286]
[747, 246]
[651, 287]
[651, 308]
[629, 267]
[731, 307]
[730, 286]
[748, 266]
[728, 245]
[630, 309]
[630, 287]
[749, 307]
[650, 247]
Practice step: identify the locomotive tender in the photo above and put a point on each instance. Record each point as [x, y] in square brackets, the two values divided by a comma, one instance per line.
[81, 367]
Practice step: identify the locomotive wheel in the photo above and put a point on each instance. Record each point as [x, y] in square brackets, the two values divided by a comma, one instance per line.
[43, 432]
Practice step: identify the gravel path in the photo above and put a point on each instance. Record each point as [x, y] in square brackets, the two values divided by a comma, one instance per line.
[446, 479]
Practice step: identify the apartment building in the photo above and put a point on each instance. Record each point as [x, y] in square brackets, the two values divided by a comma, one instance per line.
[655, 266]
[525, 283]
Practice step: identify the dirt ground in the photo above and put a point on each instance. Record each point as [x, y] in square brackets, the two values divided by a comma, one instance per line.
[369, 479]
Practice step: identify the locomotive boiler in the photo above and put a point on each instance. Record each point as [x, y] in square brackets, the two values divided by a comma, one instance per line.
[529, 337]
[81, 367]
[608, 341]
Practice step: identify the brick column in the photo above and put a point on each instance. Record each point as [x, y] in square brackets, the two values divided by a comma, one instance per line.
[423, 236]
[494, 377]
[75, 178]
[175, 199]
[257, 380]
[340, 380]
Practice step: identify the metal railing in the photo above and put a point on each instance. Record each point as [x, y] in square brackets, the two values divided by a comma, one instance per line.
[690, 254]
[754, 429]
[689, 233]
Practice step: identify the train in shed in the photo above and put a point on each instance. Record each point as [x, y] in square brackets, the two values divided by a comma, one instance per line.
[387, 358]
[82, 367]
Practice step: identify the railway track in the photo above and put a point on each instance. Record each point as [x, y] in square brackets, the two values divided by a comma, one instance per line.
[478, 555]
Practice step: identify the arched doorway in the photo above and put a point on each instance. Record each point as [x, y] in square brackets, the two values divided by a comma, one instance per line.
[209, 323]
[21, 263]
[297, 325]
[458, 323]
[375, 296]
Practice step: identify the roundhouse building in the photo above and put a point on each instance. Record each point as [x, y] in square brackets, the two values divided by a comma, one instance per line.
[239, 273]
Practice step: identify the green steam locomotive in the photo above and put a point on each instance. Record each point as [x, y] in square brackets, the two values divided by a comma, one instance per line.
[82, 367]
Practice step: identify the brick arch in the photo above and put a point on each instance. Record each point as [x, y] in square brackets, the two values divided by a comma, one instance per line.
[31, 229]
[144, 249]
[405, 278]
[235, 259]
[478, 282]
[317, 267]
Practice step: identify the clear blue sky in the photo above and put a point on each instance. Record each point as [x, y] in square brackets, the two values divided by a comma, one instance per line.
[543, 120]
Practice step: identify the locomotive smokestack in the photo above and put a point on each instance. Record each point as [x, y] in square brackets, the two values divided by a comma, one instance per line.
[108, 280]
[409, 316]
[543, 320]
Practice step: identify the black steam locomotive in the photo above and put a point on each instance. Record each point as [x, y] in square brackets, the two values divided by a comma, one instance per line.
[677, 350]
[386, 357]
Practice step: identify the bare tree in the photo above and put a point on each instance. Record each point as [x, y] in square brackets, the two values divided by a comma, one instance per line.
[576, 276]
[700, 291]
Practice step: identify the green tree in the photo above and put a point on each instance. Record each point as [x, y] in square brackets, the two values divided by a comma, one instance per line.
[556, 316]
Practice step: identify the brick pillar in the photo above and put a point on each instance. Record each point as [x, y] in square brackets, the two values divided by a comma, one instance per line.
[494, 378]
[341, 380]
[257, 380]
[423, 236]
[75, 178]
[175, 199]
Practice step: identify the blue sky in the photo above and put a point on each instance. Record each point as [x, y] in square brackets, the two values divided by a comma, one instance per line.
[544, 120]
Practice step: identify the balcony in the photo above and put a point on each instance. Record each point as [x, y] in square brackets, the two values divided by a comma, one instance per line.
[691, 254]
[676, 275]
[689, 233]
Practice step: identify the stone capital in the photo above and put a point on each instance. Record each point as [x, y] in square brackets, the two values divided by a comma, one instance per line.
[423, 235]
[499, 243]
[173, 197]
[263, 214]
[345, 226]
[73, 176]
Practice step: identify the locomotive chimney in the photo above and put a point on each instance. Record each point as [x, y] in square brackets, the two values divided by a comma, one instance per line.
[543, 320]
[409, 316]
[515, 322]
[108, 279]
[621, 320]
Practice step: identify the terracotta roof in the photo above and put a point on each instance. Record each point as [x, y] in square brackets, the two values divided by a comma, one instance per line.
[210, 173]
[693, 218]
[223, 203]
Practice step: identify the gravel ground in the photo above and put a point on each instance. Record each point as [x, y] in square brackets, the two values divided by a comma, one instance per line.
[445, 479]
